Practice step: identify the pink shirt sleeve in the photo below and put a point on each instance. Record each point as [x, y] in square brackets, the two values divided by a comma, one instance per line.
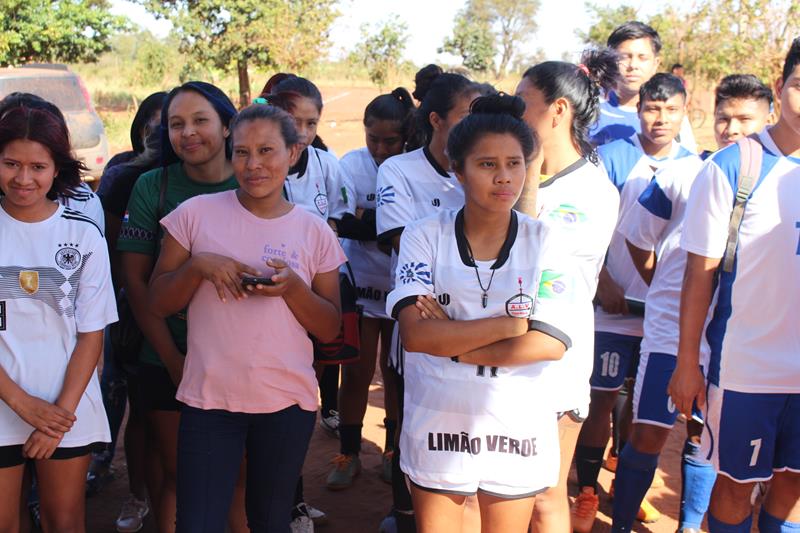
[330, 255]
[180, 223]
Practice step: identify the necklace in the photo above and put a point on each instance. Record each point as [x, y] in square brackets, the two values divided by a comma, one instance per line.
[484, 291]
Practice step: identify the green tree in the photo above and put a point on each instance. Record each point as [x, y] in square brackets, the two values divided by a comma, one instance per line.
[234, 34]
[605, 19]
[68, 31]
[472, 40]
[381, 51]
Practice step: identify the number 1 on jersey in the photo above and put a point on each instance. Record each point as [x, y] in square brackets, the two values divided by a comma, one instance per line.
[756, 444]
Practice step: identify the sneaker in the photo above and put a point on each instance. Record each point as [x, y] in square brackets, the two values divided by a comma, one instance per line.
[100, 475]
[647, 513]
[610, 463]
[584, 510]
[315, 515]
[330, 423]
[388, 524]
[386, 466]
[131, 517]
[301, 524]
[347, 467]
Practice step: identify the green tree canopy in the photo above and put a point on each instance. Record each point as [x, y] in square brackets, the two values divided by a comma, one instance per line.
[234, 34]
[472, 40]
[68, 31]
[381, 51]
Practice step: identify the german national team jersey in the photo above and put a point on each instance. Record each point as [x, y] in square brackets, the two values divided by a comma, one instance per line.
[444, 398]
[580, 206]
[631, 170]
[753, 329]
[370, 264]
[621, 122]
[55, 282]
[655, 222]
[318, 184]
[141, 233]
[84, 200]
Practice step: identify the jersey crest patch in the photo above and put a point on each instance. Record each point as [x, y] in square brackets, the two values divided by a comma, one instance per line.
[68, 258]
[321, 201]
[415, 272]
[29, 281]
[520, 305]
[385, 195]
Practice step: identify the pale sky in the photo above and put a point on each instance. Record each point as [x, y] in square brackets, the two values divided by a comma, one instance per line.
[429, 22]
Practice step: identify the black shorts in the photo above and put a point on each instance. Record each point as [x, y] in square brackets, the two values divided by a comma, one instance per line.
[12, 455]
[156, 389]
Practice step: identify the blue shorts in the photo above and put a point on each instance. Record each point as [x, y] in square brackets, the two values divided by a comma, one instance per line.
[615, 358]
[651, 402]
[749, 436]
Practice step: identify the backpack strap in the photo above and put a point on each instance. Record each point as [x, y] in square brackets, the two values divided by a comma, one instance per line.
[751, 154]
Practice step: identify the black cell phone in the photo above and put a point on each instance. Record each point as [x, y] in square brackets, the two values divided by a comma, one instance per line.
[635, 306]
[256, 280]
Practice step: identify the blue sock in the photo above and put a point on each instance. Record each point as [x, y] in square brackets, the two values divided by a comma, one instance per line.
[769, 524]
[635, 472]
[715, 526]
[697, 480]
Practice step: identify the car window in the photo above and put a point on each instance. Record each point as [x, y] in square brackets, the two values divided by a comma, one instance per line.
[63, 91]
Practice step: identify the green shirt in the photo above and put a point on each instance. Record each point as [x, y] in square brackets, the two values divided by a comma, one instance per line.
[140, 231]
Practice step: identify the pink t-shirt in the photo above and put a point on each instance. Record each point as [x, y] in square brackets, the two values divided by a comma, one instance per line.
[252, 355]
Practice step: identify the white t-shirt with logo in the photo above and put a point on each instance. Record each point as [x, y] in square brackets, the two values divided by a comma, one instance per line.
[319, 186]
[580, 206]
[490, 406]
[370, 264]
[752, 333]
[83, 199]
[655, 222]
[411, 186]
[630, 169]
[55, 282]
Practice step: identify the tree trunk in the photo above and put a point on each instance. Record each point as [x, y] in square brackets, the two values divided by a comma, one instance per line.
[244, 83]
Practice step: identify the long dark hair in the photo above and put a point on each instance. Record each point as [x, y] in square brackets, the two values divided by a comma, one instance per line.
[284, 89]
[151, 104]
[437, 91]
[581, 85]
[48, 129]
[396, 106]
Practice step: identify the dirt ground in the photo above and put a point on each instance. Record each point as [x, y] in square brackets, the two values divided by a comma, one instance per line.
[362, 507]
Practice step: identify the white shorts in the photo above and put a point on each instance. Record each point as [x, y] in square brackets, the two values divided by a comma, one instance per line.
[461, 434]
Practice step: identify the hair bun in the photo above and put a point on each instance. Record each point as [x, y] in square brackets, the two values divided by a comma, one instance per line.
[423, 80]
[499, 104]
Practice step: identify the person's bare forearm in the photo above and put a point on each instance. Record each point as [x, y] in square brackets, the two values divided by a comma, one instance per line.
[317, 315]
[171, 292]
[454, 337]
[532, 347]
[696, 294]
[644, 261]
[82, 363]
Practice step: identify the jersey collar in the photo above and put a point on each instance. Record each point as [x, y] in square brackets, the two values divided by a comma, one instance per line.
[300, 167]
[435, 164]
[569, 170]
[505, 250]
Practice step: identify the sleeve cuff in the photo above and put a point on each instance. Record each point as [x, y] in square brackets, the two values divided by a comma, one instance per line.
[547, 329]
[402, 304]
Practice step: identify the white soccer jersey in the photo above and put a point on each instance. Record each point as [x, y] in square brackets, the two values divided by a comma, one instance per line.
[319, 186]
[85, 201]
[752, 334]
[445, 400]
[370, 264]
[655, 222]
[631, 170]
[55, 282]
[580, 205]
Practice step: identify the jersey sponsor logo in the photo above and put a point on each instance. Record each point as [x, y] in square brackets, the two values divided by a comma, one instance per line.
[2, 316]
[321, 201]
[463, 443]
[520, 305]
[29, 281]
[371, 293]
[68, 257]
[567, 214]
[551, 286]
[436, 202]
[385, 195]
[443, 299]
[371, 197]
[410, 272]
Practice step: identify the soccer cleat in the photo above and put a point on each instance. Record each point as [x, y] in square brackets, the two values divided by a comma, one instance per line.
[131, 517]
[330, 423]
[301, 524]
[346, 468]
[584, 510]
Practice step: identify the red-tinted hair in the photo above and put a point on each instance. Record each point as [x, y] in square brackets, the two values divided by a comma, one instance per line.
[45, 128]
